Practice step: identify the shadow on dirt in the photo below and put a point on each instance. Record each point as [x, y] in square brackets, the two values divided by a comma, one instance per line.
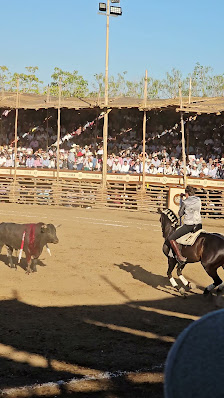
[23, 264]
[149, 278]
[144, 276]
[39, 345]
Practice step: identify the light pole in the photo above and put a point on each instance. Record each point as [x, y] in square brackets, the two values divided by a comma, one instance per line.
[106, 9]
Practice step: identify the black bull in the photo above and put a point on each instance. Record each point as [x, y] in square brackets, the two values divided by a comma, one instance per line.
[208, 249]
[36, 237]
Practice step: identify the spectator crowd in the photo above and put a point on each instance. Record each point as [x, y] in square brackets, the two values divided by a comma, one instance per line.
[37, 149]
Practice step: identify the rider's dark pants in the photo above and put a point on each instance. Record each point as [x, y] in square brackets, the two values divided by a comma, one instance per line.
[183, 230]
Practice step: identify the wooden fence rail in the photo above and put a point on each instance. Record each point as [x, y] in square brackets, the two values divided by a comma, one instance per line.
[119, 195]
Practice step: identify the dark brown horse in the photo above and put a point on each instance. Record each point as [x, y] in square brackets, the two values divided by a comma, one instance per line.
[208, 249]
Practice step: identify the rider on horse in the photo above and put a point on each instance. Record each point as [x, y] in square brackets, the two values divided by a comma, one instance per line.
[191, 209]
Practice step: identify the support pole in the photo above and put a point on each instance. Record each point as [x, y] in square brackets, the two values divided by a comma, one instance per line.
[59, 127]
[189, 99]
[47, 132]
[183, 138]
[188, 134]
[16, 136]
[48, 94]
[144, 129]
[48, 100]
[105, 125]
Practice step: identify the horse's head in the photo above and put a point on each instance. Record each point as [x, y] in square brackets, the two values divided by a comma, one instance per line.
[168, 220]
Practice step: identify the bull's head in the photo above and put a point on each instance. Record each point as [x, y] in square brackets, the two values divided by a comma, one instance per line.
[50, 233]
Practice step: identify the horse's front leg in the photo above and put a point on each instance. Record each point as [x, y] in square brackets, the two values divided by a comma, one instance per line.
[172, 262]
[171, 265]
[186, 283]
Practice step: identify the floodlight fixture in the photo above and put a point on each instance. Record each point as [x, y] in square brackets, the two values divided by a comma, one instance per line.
[102, 7]
[115, 1]
[115, 10]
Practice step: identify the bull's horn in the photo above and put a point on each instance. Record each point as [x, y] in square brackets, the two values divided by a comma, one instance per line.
[57, 226]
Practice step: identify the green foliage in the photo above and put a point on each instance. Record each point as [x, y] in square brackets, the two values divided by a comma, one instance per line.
[201, 80]
[4, 77]
[28, 82]
[154, 88]
[98, 86]
[72, 84]
[170, 85]
[216, 86]
[204, 83]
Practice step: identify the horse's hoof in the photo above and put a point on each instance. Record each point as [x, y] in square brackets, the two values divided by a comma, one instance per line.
[207, 292]
[191, 286]
[182, 291]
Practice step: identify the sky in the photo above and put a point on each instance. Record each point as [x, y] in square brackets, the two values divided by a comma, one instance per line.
[156, 35]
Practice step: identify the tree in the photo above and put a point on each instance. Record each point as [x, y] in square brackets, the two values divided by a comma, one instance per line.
[98, 86]
[170, 85]
[28, 83]
[117, 85]
[154, 88]
[134, 89]
[72, 84]
[4, 77]
[216, 86]
[201, 80]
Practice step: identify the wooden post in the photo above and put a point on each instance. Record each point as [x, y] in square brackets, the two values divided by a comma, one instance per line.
[47, 132]
[183, 138]
[189, 99]
[187, 131]
[48, 93]
[144, 129]
[105, 124]
[59, 127]
[16, 137]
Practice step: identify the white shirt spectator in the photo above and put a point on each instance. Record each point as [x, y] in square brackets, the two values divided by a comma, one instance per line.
[204, 170]
[2, 160]
[168, 169]
[110, 162]
[138, 167]
[125, 167]
[152, 169]
[212, 172]
[194, 171]
[116, 168]
[156, 161]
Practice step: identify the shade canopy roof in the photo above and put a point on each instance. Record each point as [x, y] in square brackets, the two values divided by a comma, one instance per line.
[35, 101]
[204, 105]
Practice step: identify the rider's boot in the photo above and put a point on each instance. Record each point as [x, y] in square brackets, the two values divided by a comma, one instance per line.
[181, 260]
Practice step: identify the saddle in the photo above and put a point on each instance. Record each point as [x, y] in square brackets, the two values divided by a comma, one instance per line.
[190, 238]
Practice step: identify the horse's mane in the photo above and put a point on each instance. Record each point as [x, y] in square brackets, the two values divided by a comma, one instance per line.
[171, 216]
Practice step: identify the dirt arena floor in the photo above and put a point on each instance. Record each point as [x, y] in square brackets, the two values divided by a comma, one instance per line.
[99, 313]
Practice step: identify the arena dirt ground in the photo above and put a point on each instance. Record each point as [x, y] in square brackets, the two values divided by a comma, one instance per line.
[100, 309]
